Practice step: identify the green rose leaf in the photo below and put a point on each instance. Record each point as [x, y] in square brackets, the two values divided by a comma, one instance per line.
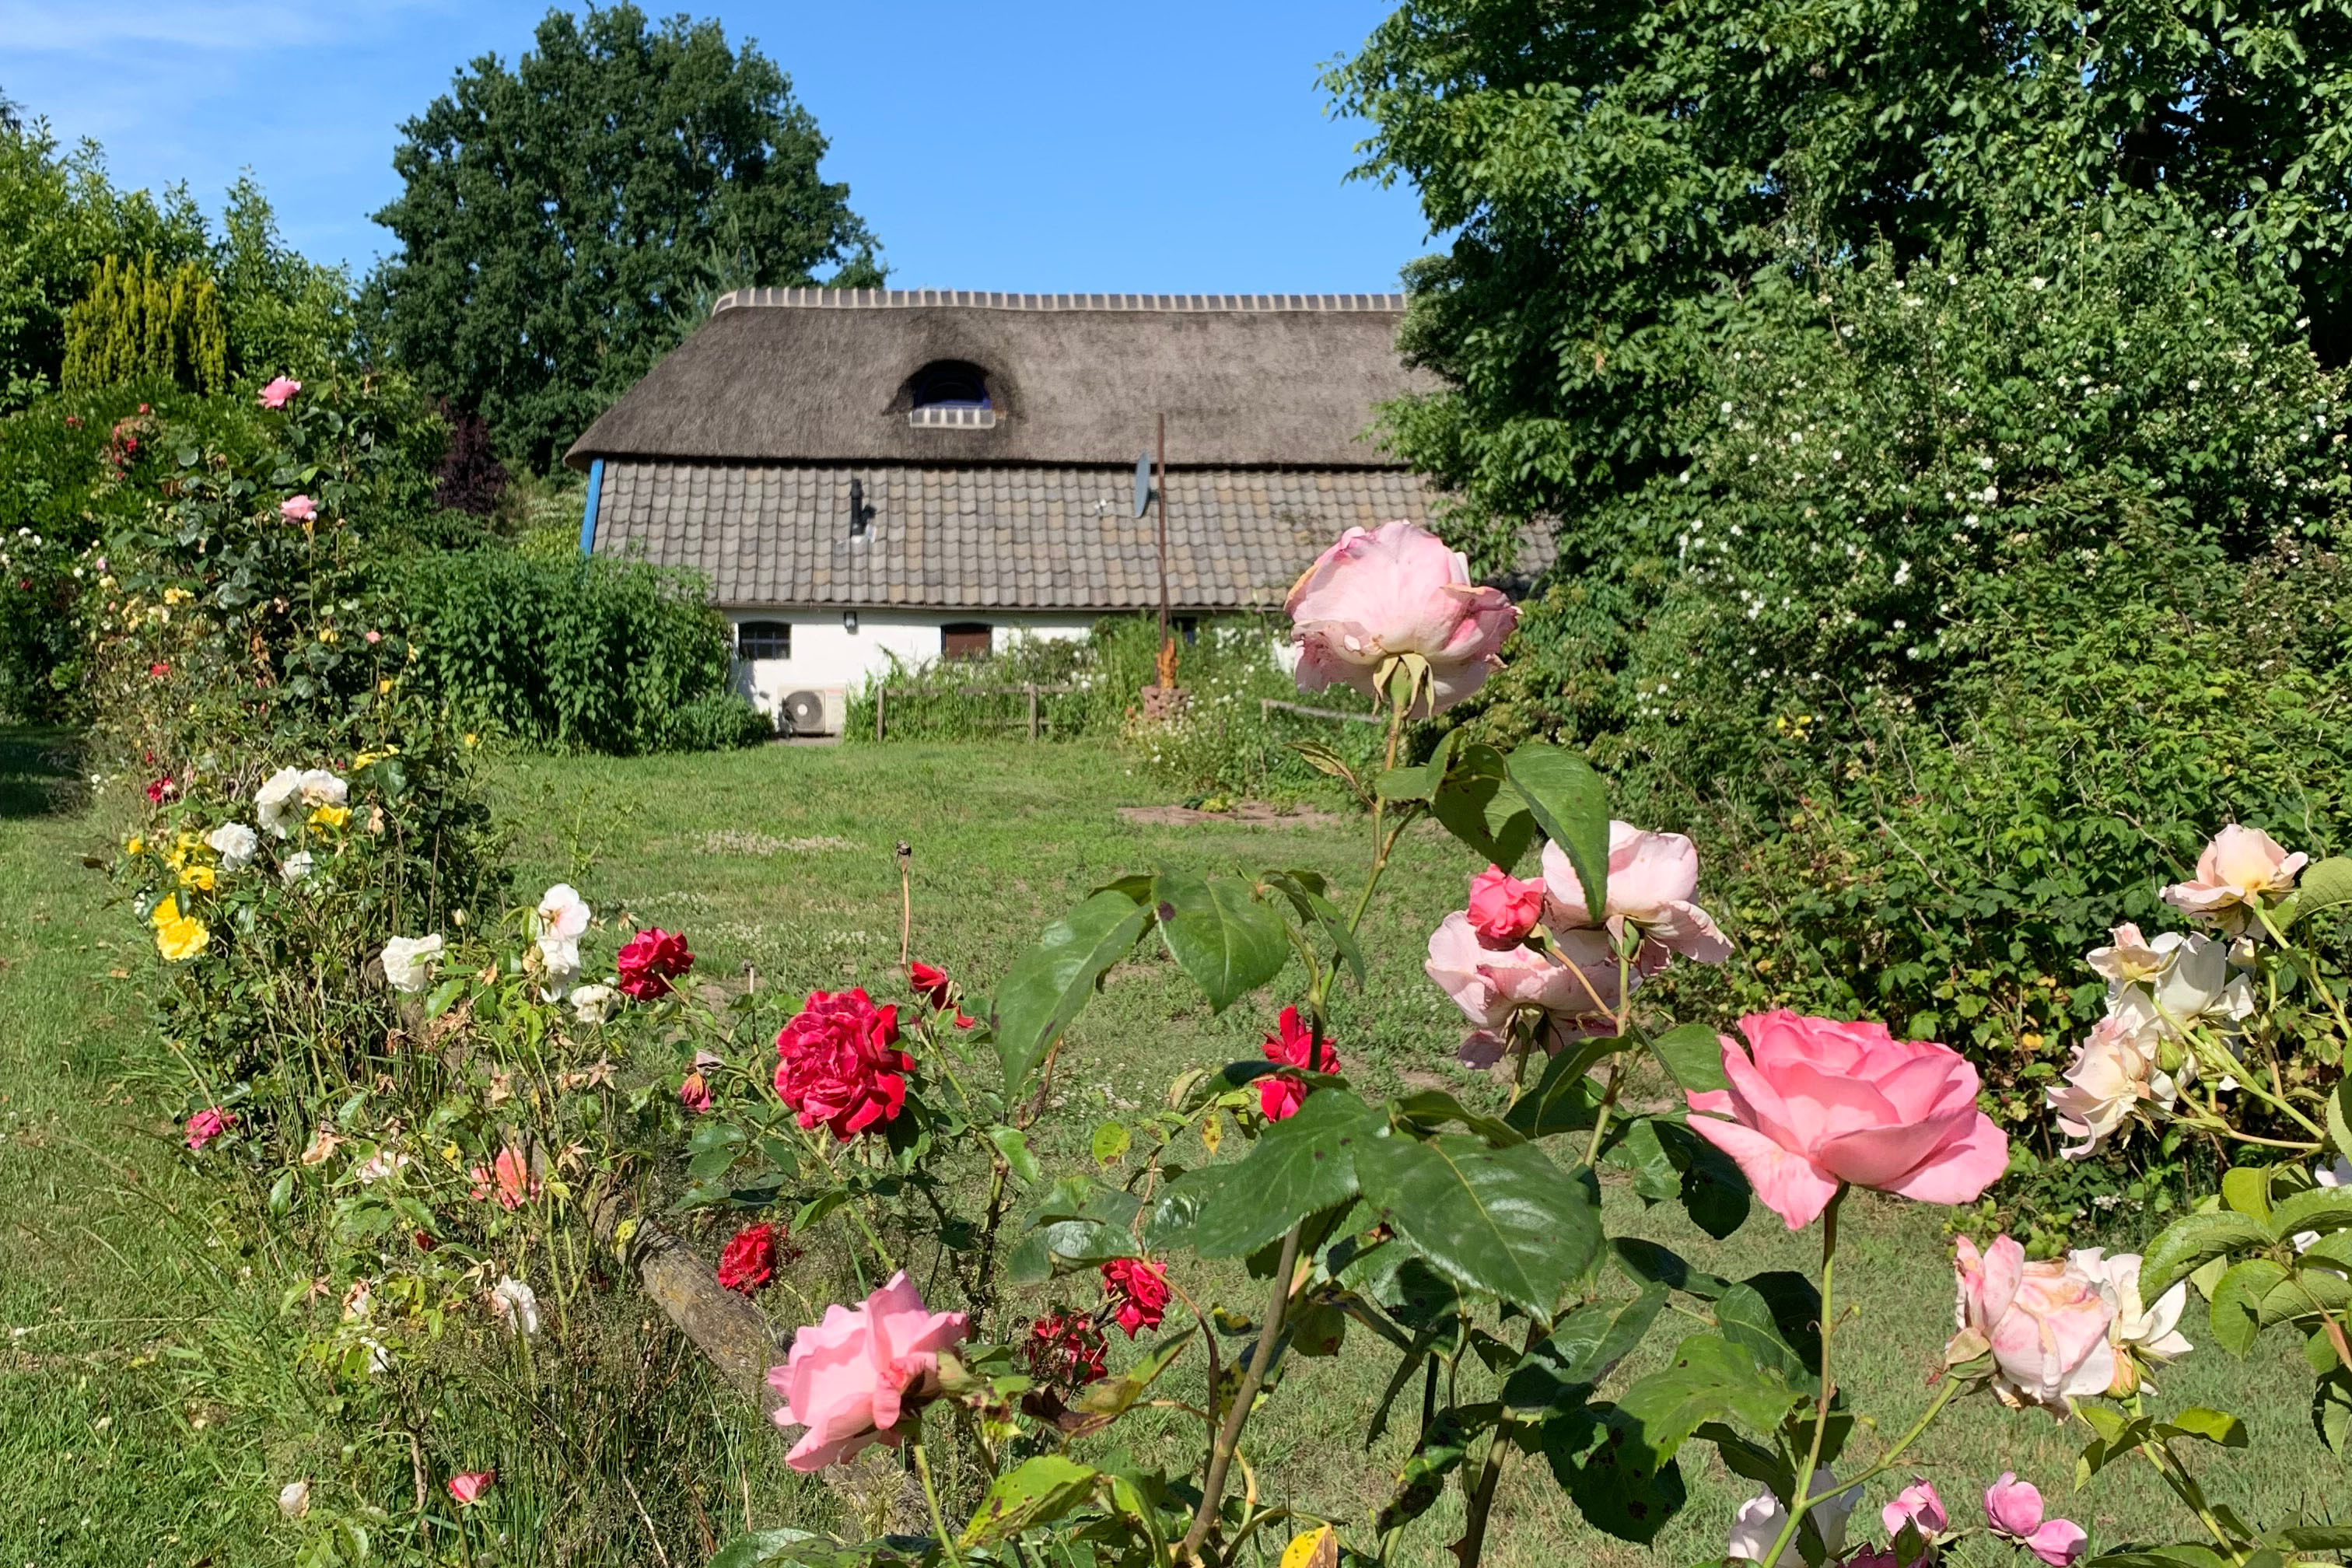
[1039, 1491]
[1563, 1368]
[1692, 1054]
[1220, 933]
[1477, 805]
[1506, 1221]
[1304, 1165]
[2238, 1303]
[1053, 980]
[2191, 1239]
[1571, 805]
[1711, 1379]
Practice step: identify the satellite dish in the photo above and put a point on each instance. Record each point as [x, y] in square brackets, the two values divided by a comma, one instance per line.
[1142, 483]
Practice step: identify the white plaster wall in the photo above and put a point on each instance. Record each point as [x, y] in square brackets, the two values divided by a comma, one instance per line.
[833, 661]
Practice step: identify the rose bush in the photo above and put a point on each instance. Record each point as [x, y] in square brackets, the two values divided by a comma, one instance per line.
[493, 1121]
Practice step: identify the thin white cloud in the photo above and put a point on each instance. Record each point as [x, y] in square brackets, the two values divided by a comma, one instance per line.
[239, 27]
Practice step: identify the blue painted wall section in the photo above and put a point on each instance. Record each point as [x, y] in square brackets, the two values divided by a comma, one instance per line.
[588, 513]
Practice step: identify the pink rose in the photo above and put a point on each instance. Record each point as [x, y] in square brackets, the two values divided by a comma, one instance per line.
[206, 1125]
[2013, 1508]
[1652, 877]
[1399, 590]
[2044, 1324]
[279, 392]
[299, 509]
[1918, 1506]
[1504, 910]
[849, 1379]
[1489, 985]
[1824, 1103]
[2239, 868]
[467, 1489]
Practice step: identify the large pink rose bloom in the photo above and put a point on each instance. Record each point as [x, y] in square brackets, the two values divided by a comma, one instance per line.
[1652, 880]
[1824, 1103]
[850, 1378]
[1489, 985]
[1394, 591]
[2239, 868]
[2045, 1324]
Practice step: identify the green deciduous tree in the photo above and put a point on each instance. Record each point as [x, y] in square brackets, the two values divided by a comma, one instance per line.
[286, 314]
[567, 220]
[59, 218]
[1615, 175]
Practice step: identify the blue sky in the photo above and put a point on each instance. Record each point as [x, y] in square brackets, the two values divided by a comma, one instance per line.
[1007, 145]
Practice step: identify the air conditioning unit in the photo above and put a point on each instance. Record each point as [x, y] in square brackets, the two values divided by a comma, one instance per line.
[803, 713]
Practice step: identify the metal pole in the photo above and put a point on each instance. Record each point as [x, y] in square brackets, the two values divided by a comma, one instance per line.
[1033, 711]
[1160, 487]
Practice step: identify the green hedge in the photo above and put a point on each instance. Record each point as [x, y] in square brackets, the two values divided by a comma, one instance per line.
[574, 655]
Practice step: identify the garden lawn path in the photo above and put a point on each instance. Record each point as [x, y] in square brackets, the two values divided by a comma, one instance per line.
[141, 1402]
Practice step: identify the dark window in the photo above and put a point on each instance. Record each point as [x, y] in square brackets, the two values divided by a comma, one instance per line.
[950, 383]
[964, 639]
[763, 639]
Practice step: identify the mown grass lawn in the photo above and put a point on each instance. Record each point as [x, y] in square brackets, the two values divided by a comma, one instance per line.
[142, 1390]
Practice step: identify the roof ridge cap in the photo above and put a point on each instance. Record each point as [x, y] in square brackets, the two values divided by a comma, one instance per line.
[994, 300]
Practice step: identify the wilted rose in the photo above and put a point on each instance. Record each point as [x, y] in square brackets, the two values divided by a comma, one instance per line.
[2044, 1324]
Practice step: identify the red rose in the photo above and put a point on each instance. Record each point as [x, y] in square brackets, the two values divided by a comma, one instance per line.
[931, 983]
[836, 1064]
[158, 669]
[749, 1260]
[933, 987]
[160, 790]
[1064, 1349]
[1139, 1289]
[1280, 1096]
[651, 960]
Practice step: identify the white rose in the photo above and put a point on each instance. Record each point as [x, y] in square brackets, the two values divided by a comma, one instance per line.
[561, 913]
[273, 803]
[295, 867]
[593, 1003]
[409, 962]
[2151, 1333]
[294, 1499]
[516, 1305]
[236, 843]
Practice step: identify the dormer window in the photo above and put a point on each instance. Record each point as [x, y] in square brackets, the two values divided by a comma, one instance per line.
[950, 394]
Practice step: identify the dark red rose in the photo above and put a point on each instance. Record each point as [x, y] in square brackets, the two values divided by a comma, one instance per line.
[836, 1064]
[1279, 1095]
[650, 961]
[931, 983]
[1138, 1288]
[749, 1259]
[933, 987]
[161, 791]
[1064, 1349]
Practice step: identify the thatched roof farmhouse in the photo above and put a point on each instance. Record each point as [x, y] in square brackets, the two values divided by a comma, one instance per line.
[926, 473]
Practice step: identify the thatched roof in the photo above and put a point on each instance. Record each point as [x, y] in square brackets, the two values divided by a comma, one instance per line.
[821, 375]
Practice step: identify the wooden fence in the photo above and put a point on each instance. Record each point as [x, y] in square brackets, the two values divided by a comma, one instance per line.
[1036, 723]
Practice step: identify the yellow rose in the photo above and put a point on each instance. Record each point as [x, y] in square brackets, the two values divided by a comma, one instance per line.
[382, 686]
[178, 937]
[330, 816]
[199, 877]
[137, 846]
